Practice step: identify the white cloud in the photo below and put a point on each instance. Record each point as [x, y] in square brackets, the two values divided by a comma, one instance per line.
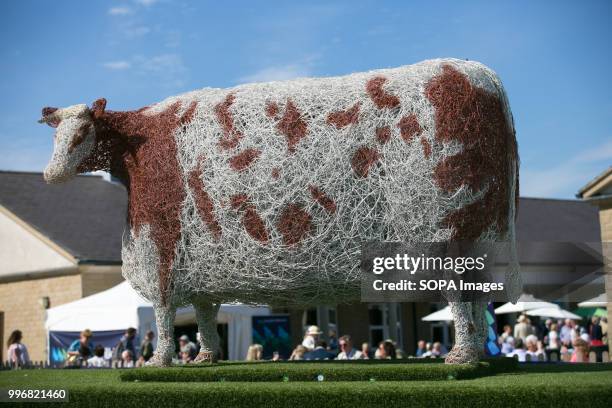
[277, 73]
[302, 68]
[117, 65]
[161, 63]
[568, 176]
[168, 69]
[603, 152]
[119, 11]
[136, 31]
[146, 3]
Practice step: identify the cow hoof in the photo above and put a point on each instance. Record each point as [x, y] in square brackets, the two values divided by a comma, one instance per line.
[462, 355]
[205, 357]
[156, 361]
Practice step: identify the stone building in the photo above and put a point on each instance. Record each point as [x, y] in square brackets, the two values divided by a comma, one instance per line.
[599, 193]
[58, 243]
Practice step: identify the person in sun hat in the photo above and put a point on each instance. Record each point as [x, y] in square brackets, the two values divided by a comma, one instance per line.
[311, 337]
[521, 328]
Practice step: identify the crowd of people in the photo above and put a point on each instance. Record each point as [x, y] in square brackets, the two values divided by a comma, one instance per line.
[83, 353]
[314, 347]
[564, 339]
[552, 340]
[525, 341]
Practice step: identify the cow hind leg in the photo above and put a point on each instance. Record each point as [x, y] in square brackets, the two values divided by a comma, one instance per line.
[206, 316]
[164, 318]
[466, 348]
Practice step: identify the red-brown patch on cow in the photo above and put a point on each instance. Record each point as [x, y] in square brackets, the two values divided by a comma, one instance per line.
[383, 134]
[254, 225]
[203, 201]
[251, 220]
[409, 127]
[244, 159]
[294, 224]
[475, 118]
[189, 113]
[426, 147]
[323, 199]
[343, 118]
[225, 117]
[237, 201]
[363, 159]
[381, 98]
[292, 125]
[276, 173]
[272, 109]
[80, 136]
[141, 150]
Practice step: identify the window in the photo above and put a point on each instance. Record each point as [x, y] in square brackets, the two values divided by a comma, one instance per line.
[312, 317]
[379, 321]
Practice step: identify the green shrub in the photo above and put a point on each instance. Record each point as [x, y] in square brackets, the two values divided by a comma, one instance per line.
[343, 395]
[309, 371]
[532, 385]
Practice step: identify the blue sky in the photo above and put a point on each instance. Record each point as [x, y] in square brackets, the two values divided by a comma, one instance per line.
[554, 58]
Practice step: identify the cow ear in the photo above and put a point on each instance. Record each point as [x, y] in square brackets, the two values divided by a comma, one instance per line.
[49, 117]
[97, 108]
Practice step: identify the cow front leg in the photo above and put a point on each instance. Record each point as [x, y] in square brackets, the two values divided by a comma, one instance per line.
[465, 349]
[164, 318]
[206, 316]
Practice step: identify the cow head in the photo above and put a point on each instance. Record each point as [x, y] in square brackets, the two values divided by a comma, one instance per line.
[74, 138]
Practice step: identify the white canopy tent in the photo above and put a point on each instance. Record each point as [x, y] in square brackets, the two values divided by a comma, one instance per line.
[554, 312]
[597, 301]
[121, 307]
[442, 315]
[525, 302]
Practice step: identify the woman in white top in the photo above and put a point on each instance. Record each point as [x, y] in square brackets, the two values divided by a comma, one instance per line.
[535, 349]
[553, 337]
[17, 352]
[311, 337]
[519, 350]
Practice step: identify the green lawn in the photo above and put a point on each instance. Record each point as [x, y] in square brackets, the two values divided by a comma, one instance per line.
[535, 385]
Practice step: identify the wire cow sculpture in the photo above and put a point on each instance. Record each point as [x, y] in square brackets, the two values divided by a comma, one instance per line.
[263, 193]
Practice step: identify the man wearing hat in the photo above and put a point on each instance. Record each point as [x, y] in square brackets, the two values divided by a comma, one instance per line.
[311, 337]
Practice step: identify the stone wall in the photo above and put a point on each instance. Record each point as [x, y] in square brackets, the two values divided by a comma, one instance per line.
[21, 303]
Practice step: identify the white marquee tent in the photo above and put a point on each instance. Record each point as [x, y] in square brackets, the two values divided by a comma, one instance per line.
[554, 312]
[525, 302]
[121, 307]
[442, 315]
[598, 301]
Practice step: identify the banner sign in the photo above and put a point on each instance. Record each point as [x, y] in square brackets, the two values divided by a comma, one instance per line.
[273, 333]
[59, 341]
[491, 345]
